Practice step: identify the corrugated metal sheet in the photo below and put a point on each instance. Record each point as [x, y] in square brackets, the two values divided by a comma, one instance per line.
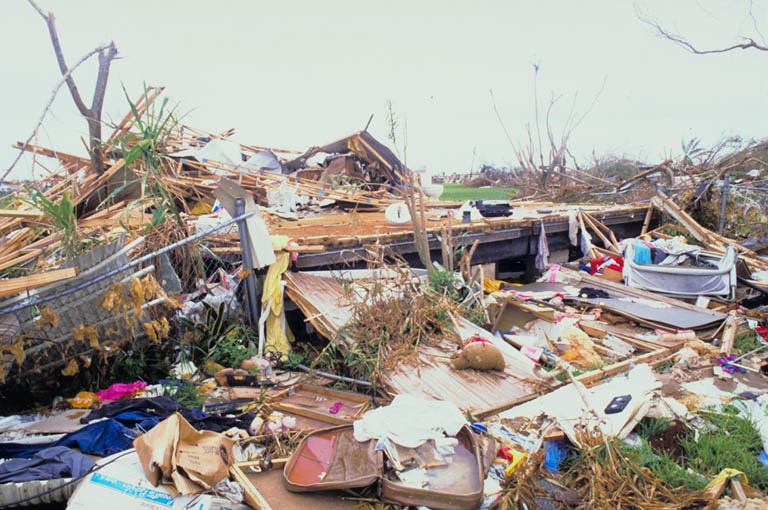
[17, 491]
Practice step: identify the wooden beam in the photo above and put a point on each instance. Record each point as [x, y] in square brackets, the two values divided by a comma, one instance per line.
[252, 496]
[14, 285]
[13, 213]
[729, 333]
[647, 220]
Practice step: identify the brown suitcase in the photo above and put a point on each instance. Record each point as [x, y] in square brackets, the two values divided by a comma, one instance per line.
[332, 459]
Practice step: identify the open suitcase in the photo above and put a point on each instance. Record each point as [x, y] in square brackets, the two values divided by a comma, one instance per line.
[332, 459]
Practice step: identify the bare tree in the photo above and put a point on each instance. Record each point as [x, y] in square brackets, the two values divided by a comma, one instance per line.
[92, 115]
[681, 41]
[544, 158]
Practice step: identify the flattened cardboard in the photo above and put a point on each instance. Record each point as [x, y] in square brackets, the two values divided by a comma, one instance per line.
[184, 460]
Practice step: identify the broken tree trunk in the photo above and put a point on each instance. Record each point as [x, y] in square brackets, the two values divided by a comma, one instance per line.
[93, 114]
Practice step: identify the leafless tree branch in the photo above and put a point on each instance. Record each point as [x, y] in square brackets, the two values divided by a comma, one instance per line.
[498, 116]
[48, 106]
[685, 44]
[754, 21]
[92, 115]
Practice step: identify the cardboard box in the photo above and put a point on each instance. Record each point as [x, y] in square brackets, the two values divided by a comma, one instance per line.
[185, 460]
[612, 275]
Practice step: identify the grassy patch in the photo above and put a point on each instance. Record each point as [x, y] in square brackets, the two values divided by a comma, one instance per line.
[733, 443]
[578, 371]
[459, 192]
[185, 393]
[652, 427]
[661, 465]
[747, 341]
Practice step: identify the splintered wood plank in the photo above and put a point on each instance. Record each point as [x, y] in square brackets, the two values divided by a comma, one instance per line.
[13, 213]
[101, 180]
[13, 260]
[14, 285]
[647, 220]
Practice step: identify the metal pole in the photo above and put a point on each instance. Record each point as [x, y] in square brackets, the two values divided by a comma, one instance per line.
[723, 202]
[250, 280]
[132, 264]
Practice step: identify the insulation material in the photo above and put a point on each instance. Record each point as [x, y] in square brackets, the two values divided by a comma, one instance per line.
[582, 351]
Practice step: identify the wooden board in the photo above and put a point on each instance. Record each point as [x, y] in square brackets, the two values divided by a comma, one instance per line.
[14, 285]
[12, 213]
[315, 402]
[343, 229]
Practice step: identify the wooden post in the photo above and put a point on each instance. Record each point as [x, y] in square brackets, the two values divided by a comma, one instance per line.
[647, 220]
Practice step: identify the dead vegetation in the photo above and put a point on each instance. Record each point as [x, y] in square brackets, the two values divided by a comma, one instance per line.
[392, 315]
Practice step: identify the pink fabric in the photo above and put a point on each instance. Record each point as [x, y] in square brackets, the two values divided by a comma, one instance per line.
[554, 268]
[477, 339]
[531, 353]
[120, 390]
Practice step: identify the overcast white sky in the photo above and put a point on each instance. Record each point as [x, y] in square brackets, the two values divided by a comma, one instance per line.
[297, 74]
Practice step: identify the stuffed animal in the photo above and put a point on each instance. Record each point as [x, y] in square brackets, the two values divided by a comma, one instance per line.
[479, 354]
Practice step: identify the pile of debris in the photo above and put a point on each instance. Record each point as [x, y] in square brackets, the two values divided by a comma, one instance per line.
[228, 325]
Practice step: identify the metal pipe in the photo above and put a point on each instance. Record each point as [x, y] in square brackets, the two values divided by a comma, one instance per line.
[334, 376]
[113, 272]
[752, 285]
[764, 345]
[723, 202]
[250, 279]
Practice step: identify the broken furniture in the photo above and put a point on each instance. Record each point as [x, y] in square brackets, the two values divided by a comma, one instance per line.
[718, 281]
[333, 459]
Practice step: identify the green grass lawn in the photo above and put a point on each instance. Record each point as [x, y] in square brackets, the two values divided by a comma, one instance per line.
[459, 192]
